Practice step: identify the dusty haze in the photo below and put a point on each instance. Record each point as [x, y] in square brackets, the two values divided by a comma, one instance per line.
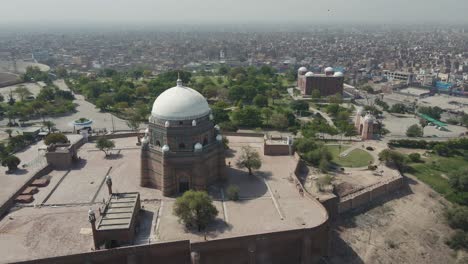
[233, 11]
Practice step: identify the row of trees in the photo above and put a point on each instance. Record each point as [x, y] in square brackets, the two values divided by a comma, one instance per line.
[49, 101]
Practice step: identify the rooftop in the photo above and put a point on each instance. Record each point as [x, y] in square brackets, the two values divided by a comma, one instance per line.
[56, 222]
[118, 211]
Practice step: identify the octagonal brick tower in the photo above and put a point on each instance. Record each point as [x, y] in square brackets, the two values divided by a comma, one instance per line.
[182, 148]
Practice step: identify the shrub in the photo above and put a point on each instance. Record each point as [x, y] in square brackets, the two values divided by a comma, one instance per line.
[233, 192]
[459, 240]
[324, 181]
[414, 131]
[372, 167]
[55, 138]
[228, 126]
[459, 180]
[415, 157]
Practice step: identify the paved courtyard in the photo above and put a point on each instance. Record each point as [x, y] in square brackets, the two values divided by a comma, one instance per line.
[57, 224]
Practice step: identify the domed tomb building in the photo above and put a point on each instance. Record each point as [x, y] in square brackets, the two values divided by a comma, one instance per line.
[182, 148]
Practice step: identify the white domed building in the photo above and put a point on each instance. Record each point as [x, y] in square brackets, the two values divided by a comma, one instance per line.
[181, 150]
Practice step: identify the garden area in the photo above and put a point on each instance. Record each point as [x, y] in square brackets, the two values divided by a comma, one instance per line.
[435, 171]
[355, 158]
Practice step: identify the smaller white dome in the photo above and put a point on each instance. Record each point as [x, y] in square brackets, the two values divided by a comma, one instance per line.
[338, 74]
[309, 74]
[302, 69]
[328, 69]
[194, 122]
[198, 146]
[165, 148]
[167, 124]
[217, 127]
[147, 131]
[211, 117]
[145, 140]
[219, 137]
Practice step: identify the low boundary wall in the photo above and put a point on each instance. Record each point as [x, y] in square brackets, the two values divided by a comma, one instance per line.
[11, 201]
[368, 194]
[305, 245]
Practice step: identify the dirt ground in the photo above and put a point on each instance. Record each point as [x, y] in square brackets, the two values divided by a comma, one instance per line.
[407, 227]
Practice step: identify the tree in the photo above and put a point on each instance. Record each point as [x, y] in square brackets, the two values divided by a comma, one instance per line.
[247, 116]
[11, 162]
[267, 113]
[49, 124]
[414, 157]
[315, 94]
[398, 108]
[105, 145]
[249, 159]
[55, 138]
[260, 100]
[195, 209]
[133, 121]
[414, 131]
[433, 112]
[299, 105]
[393, 158]
[22, 92]
[9, 131]
[104, 101]
[423, 122]
[279, 121]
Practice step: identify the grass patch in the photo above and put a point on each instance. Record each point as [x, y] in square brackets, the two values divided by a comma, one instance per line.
[356, 158]
[430, 172]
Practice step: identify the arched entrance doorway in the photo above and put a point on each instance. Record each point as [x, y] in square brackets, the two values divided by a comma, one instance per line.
[184, 182]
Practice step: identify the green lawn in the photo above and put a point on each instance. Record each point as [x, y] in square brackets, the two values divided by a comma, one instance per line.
[356, 158]
[431, 171]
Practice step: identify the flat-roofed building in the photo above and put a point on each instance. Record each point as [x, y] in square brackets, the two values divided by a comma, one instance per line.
[117, 223]
[407, 77]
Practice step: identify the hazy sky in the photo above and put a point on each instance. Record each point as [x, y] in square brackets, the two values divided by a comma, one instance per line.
[233, 11]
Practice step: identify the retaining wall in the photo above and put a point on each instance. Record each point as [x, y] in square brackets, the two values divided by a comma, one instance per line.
[368, 194]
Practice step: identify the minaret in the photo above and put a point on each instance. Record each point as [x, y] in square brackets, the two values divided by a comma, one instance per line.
[92, 220]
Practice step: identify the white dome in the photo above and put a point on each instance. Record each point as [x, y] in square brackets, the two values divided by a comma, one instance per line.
[219, 137]
[180, 103]
[302, 69]
[309, 74]
[338, 74]
[145, 140]
[198, 146]
[328, 69]
[194, 122]
[165, 148]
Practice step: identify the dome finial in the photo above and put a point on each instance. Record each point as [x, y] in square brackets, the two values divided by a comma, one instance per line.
[179, 81]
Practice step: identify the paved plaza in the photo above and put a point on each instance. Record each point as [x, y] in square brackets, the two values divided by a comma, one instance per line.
[57, 224]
